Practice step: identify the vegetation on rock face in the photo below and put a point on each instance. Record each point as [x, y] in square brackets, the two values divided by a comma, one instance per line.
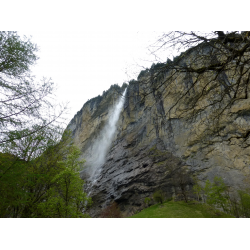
[147, 200]
[187, 187]
[158, 196]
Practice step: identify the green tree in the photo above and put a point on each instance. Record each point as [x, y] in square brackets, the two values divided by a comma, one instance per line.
[12, 177]
[219, 195]
[37, 174]
[25, 103]
[244, 203]
[216, 193]
[46, 186]
[66, 197]
[197, 189]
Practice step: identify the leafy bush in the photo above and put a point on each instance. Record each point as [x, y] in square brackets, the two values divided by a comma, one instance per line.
[158, 196]
[147, 200]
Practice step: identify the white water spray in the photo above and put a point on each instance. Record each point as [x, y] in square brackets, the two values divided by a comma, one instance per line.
[102, 144]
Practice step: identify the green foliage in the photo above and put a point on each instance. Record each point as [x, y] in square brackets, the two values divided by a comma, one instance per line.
[215, 193]
[244, 203]
[158, 196]
[24, 101]
[46, 186]
[39, 168]
[147, 200]
[12, 177]
[169, 199]
[16, 55]
[197, 189]
[180, 209]
[66, 197]
[219, 195]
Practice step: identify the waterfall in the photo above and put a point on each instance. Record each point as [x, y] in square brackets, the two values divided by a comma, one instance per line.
[103, 143]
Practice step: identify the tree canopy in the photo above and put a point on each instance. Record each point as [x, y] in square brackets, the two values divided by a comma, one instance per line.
[39, 166]
[26, 104]
[47, 186]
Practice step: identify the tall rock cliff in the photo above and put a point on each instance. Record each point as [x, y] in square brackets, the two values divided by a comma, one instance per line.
[147, 137]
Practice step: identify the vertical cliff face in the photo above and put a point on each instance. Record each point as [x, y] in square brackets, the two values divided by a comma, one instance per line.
[146, 137]
[91, 119]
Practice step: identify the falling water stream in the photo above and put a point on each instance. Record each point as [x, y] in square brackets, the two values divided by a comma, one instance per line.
[103, 143]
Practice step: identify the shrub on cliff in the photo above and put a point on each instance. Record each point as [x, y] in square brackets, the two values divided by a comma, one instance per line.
[147, 200]
[158, 196]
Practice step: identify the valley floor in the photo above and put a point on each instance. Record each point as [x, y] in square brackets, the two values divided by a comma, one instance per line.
[180, 209]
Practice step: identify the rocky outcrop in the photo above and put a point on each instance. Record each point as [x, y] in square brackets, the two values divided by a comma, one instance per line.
[133, 169]
[130, 175]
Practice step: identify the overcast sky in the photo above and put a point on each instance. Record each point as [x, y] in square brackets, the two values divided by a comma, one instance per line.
[83, 64]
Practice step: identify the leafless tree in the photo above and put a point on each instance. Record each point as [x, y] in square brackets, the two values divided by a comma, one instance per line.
[111, 211]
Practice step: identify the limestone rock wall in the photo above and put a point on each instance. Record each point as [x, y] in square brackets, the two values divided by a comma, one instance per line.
[132, 170]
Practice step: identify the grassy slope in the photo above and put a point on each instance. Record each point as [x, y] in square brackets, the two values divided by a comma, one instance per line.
[180, 209]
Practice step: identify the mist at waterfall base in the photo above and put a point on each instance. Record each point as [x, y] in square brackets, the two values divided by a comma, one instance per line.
[103, 142]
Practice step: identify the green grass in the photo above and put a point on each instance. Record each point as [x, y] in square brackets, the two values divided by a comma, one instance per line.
[180, 209]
